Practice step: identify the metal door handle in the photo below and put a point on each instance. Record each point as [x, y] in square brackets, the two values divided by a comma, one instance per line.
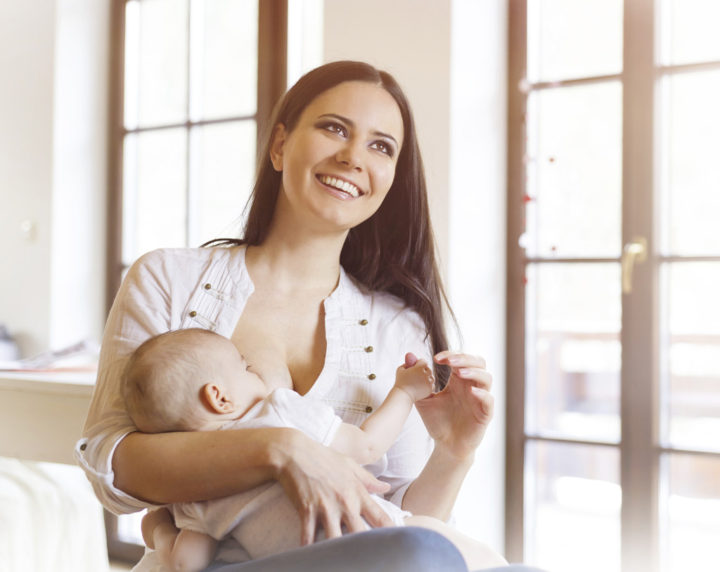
[635, 251]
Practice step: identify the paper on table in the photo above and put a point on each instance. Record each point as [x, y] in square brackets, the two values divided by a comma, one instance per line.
[81, 356]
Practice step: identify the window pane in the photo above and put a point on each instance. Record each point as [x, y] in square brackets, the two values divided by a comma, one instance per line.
[575, 171]
[573, 350]
[571, 39]
[689, 31]
[223, 169]
[224, 60]
[691, 173]
[691, 393]
[154, 191]
[156, 62]
[573, 498]
[690, 513]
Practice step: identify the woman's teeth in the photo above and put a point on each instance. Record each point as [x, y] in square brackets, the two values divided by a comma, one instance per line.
[341, 185]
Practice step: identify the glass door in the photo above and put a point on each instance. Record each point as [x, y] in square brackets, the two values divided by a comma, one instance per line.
[613, 278]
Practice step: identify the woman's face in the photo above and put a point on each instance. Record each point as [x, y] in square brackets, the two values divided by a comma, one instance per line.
[338, 163]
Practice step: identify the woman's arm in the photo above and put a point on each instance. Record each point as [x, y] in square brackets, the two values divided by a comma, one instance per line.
[324, 486]
[167, 468]
[456, 419]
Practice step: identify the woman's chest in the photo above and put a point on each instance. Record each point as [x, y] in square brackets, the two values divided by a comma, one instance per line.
[283, 341]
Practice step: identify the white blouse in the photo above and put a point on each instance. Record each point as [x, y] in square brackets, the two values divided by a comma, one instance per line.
[368, 334]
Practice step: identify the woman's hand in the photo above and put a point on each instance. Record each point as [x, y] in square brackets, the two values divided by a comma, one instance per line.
[329, 489]
[458, 416]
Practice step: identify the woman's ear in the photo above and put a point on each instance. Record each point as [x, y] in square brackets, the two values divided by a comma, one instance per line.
[277, 146]
[216, 399]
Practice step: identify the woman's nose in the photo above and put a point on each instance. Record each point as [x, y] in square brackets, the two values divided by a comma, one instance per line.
[350, 156]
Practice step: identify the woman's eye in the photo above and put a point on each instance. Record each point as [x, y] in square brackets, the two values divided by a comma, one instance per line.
[335, 128]
[383, 148]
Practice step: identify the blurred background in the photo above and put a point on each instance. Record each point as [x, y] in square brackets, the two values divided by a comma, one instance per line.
[570, 149]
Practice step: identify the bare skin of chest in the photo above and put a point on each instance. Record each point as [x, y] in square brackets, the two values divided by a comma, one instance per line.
[283, 339]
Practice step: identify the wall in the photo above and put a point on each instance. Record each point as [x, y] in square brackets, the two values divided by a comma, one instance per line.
[27, 48]
[450, 59]
[476, 235]
[53, 93]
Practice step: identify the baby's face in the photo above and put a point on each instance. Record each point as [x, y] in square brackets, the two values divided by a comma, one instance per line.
[243, 385]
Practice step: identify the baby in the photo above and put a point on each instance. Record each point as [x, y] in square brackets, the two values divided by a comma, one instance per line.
[196, 380]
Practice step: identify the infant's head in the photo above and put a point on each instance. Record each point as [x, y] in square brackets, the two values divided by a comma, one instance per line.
[188, 380]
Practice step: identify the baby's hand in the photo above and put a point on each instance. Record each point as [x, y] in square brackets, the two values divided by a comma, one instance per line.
[416, 380]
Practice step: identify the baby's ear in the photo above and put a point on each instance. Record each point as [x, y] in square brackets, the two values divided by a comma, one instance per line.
[216, 399]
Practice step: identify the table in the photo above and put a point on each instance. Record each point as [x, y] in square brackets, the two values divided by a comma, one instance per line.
[42, 413]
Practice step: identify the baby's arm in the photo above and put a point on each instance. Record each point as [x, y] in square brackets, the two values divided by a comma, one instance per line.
[180, 550]
[367, 443]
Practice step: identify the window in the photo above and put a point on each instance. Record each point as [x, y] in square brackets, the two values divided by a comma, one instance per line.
[195, 82]
[193, 85]
[613, 454]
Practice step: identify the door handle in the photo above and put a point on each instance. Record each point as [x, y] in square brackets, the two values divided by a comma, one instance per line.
[635, 251]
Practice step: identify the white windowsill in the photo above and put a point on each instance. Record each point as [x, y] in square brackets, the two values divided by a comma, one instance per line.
[43, 413]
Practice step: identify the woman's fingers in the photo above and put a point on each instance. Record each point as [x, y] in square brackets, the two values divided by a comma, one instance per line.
[328, 490]
[375, 516]
[479, 377]
[331, 522]
[457, 359]
[468, 367]
[308, 522]
[483, 405]
[355, 517]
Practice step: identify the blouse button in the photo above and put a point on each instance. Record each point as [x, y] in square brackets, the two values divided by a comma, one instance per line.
[207, 286]
[369, 349]
[372, 376]
[368, 409]
[363, 322]
[193, 314]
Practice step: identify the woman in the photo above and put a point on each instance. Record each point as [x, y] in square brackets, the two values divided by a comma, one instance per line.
[333, 282]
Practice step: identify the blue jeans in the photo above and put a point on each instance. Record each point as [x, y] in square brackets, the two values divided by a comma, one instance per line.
[401, 549]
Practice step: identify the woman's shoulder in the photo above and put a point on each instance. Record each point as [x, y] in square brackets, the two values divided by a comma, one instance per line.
[200, 254]
[168, 260]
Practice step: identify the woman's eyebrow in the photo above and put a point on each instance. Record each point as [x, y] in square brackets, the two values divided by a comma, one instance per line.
[351, 124]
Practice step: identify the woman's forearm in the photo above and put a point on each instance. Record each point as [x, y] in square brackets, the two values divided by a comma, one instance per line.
[435, 490]
[192, 466]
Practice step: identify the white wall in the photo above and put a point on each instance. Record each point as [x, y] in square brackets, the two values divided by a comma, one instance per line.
[450, 59]
[27, 48]
[53, 93]
[82, 53]
[476, 235]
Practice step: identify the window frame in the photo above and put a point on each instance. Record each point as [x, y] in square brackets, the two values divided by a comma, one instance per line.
[641, 446]
[271, 84]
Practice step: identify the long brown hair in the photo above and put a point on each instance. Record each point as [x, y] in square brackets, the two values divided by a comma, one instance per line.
[392, 251]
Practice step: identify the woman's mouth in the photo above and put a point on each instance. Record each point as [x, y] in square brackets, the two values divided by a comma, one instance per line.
[340, 185]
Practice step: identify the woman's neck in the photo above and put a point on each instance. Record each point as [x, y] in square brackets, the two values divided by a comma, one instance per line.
[296, 261]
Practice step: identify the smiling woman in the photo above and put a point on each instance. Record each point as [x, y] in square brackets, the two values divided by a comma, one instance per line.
[332, 284]
[339, 162]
